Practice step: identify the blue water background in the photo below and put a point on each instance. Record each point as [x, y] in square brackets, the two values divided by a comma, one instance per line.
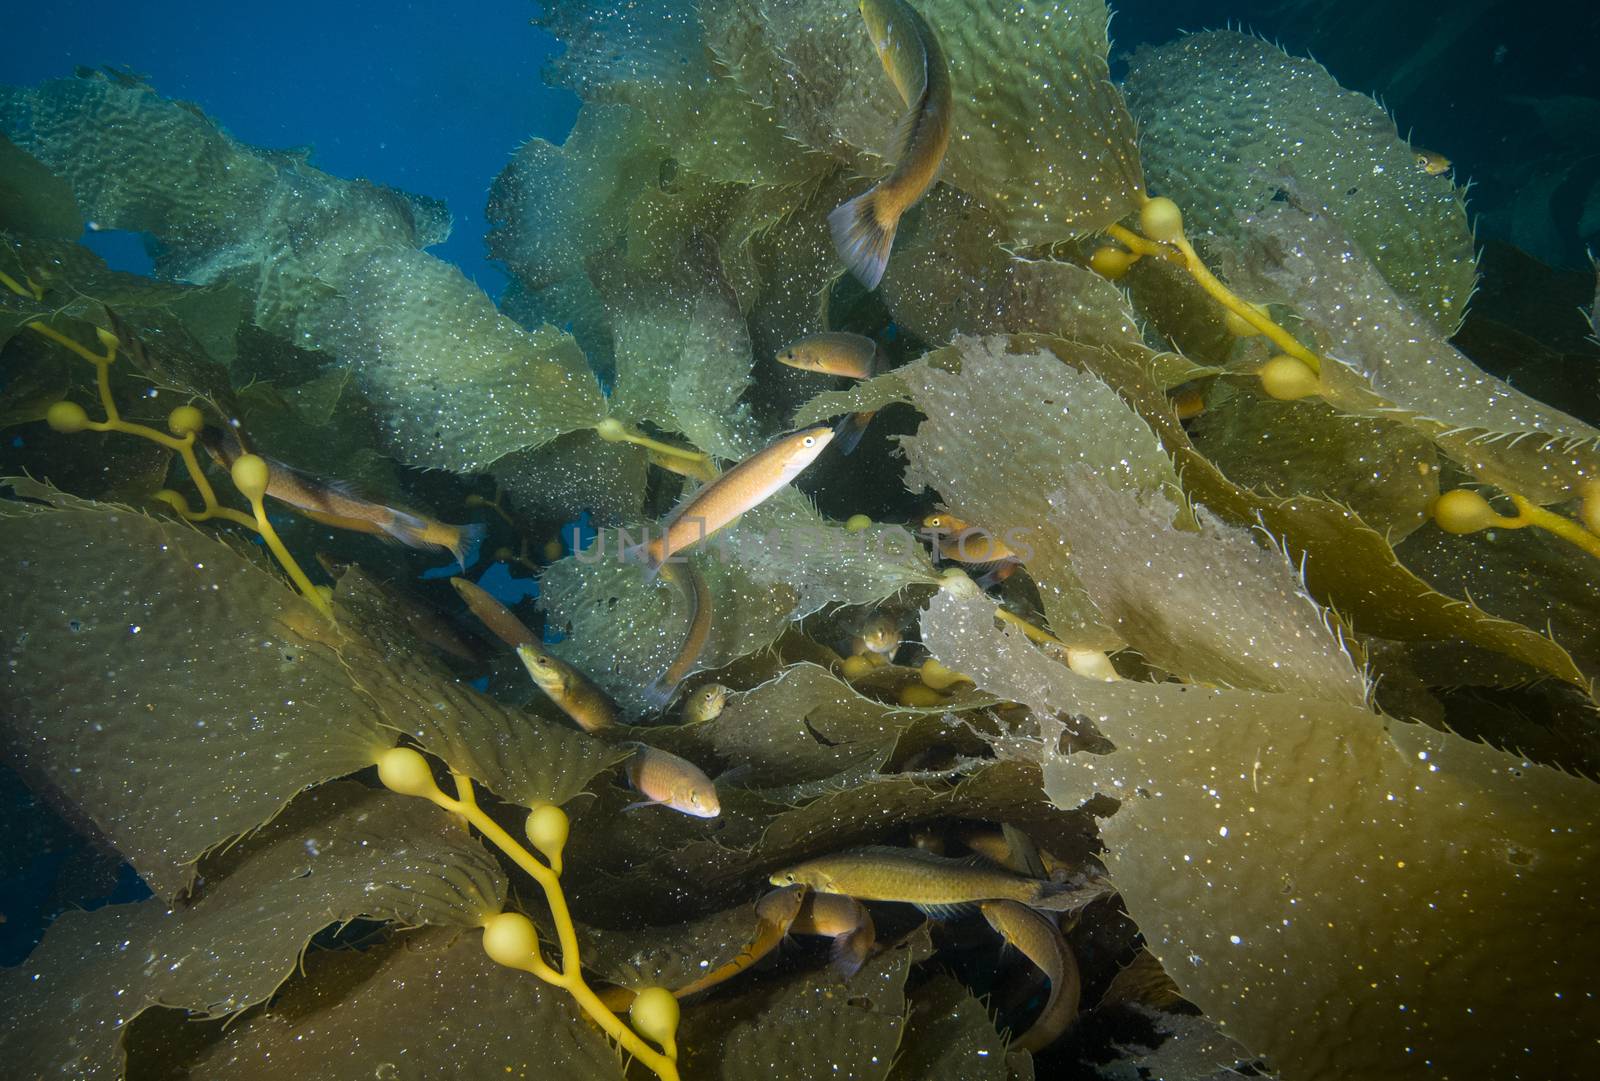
[430, 98]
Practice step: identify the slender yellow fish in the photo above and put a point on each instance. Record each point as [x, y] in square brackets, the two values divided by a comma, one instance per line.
[835, 352]
[1038, 939]
[664, 779]
[863, 228]
[695, 636]
[335, 504]
[494, 615]
[589, 707]
[746, 485]
[934, 884]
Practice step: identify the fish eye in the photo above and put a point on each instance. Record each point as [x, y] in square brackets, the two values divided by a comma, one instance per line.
[809, 441]
[935, 522]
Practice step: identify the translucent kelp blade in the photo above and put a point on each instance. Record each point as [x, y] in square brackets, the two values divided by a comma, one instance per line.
[1180, 1045]
[994, 445]
[577, 472]
[327, 263]
[780, 562]
[951, 275]
[1276, 851]
[949, 1037]
[173, 692]
[1500, 434]
[1227, 121]
[815, 1025]
[457, 385]
[339, 852]
[519, 756]
[1042, 138]
[554, 205]
[651, 56]
[683, 353]
[1383, 469]
[1348, 566]
[397, 1007]
[33, 200]
[1211, 607]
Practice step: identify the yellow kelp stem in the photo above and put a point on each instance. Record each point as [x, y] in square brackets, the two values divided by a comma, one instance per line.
[1162, 224]
[185, 423]
[509, 938]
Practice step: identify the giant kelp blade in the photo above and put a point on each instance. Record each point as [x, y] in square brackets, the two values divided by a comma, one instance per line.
[327, 263]
[1227, 120]
[519, 756]
[1041, 138]
[1307, 259]
[1211, 606]
[778, 563]
[434, 1005]
[949, 1037]
[1348, 566]
[1383, 469]
[815, 1025]
[1279, 854]
[173, 692]
[33, 200]
[339, 852]
[994, 444]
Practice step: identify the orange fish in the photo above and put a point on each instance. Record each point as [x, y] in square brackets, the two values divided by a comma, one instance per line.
[335, 504]
[835, 352]
[863, 228]
[751, 482]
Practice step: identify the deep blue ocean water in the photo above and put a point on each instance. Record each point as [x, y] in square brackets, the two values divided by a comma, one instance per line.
[424, 97]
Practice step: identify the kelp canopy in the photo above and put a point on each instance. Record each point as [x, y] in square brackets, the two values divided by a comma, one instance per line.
[1300, 682]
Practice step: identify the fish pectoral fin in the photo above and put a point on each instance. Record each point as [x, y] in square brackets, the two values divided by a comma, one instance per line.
[643, 803]
[947, 912]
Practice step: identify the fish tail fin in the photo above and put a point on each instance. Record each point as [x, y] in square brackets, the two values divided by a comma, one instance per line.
[862, 238]
[848, 432]
[416, 531]
[1069, 896]
[659, 694]
[640, 555]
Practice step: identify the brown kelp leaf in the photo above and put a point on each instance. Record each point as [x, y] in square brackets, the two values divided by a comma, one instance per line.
[1227, 120]
[1276, 852]
[671, 957]
[1382, 469]
[518, 755]
[802, 726]
[34, 201]
[1212, 606]
[779, 562]
[815, 1025]
[1188, 1047]
[1526, 575]
[995, 442]
[949, 1037]
[433, 1006]
[1403, 367]
[338, 852]
[1348, 566]
[159, 681]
